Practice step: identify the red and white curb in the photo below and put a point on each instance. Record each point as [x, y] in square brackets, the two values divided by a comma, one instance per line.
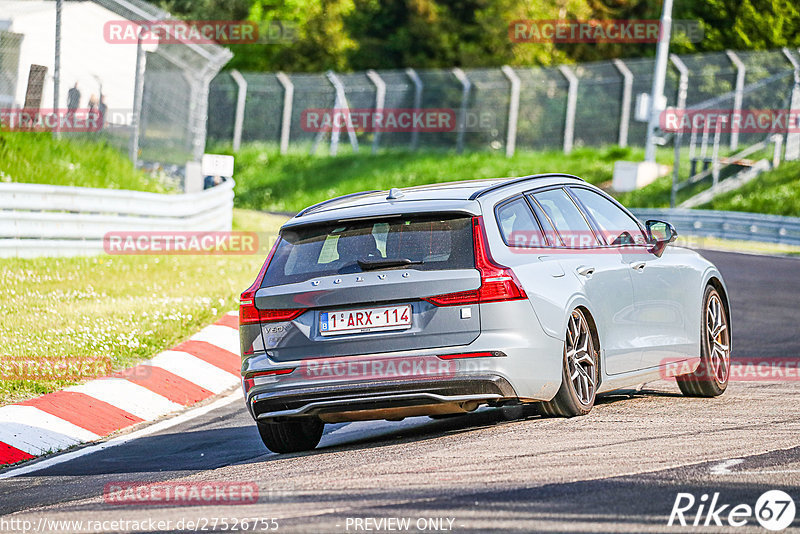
[205, 365]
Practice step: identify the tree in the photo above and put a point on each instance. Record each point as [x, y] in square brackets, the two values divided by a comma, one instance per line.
[360, 34]
[742, 24]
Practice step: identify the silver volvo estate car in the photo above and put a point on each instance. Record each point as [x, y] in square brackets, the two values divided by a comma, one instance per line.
[439, 299]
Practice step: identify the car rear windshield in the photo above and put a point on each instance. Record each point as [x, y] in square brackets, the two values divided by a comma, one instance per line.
[423, 242]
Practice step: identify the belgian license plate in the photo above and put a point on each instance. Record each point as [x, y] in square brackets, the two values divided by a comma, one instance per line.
[365, 320]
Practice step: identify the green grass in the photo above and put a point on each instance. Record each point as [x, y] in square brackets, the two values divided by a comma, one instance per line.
[121, 309]
[266, 180]
[40, 158]
[657, 194]
[776, 192]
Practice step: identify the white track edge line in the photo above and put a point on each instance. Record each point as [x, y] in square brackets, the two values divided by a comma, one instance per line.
[235, 395]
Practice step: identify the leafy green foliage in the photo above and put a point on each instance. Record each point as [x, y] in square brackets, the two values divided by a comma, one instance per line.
[742, 24]
[360, 34]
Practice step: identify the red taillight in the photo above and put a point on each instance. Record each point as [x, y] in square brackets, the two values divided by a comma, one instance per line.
[454, 299]
[250, 380]
[498, 283]
[249, 314]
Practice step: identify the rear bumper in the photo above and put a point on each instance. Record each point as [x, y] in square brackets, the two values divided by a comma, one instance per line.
[526, 364]
[388, 399]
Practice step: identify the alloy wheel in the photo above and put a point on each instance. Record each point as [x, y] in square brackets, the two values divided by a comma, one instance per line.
[579, 352]
[718, 339]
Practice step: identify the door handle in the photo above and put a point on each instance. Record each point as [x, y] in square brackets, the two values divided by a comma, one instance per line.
[585, 271]
[639, 266]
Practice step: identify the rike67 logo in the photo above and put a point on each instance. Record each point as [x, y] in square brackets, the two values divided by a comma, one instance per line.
[774, 510]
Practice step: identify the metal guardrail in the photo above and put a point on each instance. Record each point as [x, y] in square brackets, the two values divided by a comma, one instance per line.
[49, 220]
[728, 224]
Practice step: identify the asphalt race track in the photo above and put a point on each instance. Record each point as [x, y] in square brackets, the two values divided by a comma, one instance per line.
[619, 469]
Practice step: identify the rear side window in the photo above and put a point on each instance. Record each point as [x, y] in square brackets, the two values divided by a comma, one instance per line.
[567, 218]
[423, 243]
[518, 226]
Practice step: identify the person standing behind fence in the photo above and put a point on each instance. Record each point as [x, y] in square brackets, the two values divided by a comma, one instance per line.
[73, 99]
[101, 110]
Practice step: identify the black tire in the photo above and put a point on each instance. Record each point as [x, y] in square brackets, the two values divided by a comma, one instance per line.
[710, 379]
[570, 401]
[291, 436]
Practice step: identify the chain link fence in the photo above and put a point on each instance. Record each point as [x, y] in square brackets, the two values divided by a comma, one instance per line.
[558, 108]
[160, 123]
[725, 157]
[9, 66]
[185, 100]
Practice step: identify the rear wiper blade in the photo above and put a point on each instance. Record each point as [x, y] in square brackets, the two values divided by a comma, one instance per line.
[379, 263]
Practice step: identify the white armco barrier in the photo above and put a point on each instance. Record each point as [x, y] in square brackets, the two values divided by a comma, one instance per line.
[51, 220]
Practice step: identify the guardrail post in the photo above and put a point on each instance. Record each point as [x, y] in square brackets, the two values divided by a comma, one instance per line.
[627, 92]
[380, 99]
[683, 80]
[57, 63]
[793, 135]
[572, 104]
[676, 161]
[704, 140]
[340, 103]
[241, 96]
[776, 152]
[715, 166]
[417, 81]
[513, 110]
[286, 116]
[683, 89]
[138, 90]
[741, 70]
[462, 113]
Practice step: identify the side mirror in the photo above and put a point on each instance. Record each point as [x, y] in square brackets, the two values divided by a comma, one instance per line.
[660, 234]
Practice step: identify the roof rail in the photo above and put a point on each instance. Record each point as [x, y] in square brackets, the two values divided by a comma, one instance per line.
[324, 202]
[513, 181]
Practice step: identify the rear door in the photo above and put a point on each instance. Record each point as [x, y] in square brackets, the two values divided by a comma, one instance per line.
[360, 285]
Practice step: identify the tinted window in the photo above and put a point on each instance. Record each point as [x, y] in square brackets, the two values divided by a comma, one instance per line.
[430, 243]
[566, 217]
[517, 224]
[550, 233]
[616, 226]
